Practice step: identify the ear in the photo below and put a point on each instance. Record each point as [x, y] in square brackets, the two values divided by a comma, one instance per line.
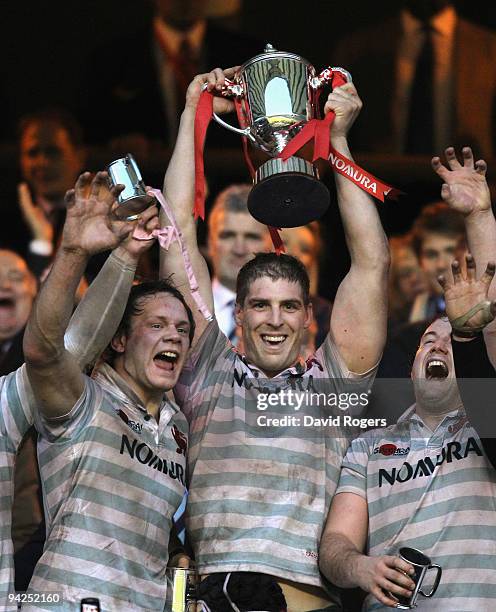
[238, 314]
[119, 341]
[308, 316]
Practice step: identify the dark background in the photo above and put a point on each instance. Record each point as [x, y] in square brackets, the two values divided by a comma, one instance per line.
[46, 47]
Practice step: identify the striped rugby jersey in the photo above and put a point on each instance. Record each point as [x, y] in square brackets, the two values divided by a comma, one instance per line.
[111, 482]
[15, 419]
[257, 503]
[435, 492]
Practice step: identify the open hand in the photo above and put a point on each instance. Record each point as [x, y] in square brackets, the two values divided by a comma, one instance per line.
[40, 227]
[90, 225]
[463, 292]
[465, 187]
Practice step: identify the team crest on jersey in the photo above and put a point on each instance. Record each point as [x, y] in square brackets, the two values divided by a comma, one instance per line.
[134, 425]
[181, 441]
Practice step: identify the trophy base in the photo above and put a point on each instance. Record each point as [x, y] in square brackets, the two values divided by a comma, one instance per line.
[288, 193]
[130, 208]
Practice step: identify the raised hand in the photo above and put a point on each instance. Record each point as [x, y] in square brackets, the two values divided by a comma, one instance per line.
[135, 244]
[464, 294]
[40, 227]
[90, 226]
[215, 81]
[464, 187]
[346, 104]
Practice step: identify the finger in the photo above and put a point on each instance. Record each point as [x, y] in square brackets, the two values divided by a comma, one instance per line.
[481, 167]
[70, 198]
[456, 271]
[211, 79]
[82, 184]
[493, 308]
[451, 158]
[394, 589]
[468, 158]
[152, 224]
[220, 78]
[387, 600]
[488, 275]
[442, 280]
[98, 183]
[149, 212]
[469, 260]
[397, 563]
[230, 72]
[440, 169]
[114, 192]
[400, 578]
[24, 196]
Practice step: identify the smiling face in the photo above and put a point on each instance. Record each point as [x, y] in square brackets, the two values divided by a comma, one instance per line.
[433, 372]
[152, 353]
[273, 319]
[234, 239]
[17, 291]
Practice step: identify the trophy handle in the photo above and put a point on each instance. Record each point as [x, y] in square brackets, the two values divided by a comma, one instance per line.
[326, 76]
[232, 90]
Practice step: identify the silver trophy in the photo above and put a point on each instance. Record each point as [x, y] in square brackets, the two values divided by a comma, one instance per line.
[276, 95]
[134, 199]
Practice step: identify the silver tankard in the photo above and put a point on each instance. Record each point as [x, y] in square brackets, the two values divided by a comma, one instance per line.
[134, 199]
[276, 95]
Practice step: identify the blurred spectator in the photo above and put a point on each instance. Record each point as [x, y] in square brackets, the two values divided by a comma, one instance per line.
[17, 292]
[305, 243]
[51, 156]
[427, 61]
[234, 237]
[406, 279]
[140, 82]
[438, 235]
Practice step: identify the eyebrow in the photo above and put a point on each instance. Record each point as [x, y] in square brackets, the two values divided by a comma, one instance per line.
[162, 318]
[427, 334]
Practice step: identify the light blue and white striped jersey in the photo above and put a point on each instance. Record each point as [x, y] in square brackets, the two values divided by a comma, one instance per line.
[15, 419]
[112, 480]
[435, 492]
[258, 501]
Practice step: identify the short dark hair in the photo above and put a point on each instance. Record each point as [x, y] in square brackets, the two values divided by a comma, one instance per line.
[274, 267]
[55, 116]
[436, 218]
[134, 307]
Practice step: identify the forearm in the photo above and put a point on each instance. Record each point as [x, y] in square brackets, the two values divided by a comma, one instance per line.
[179, 182]
[96, 318]
[339, 560]
[365, 236]
[44, 338]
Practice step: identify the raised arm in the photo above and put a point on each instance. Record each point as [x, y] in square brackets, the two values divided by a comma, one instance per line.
[179, 191]
[359, 315]
[89, 228]
[94, 321]
[341, 557]
[465, 190]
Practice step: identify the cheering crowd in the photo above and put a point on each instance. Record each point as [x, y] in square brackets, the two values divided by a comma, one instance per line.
[133, 361]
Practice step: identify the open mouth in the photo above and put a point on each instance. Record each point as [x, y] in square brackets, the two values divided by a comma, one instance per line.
[6, 302]
[273, 340]
[436, 369]
[166, 360]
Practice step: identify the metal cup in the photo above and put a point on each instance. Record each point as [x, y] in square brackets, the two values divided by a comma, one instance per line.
[421, 564]
[277, 94]
[182, 590]
[134, 199]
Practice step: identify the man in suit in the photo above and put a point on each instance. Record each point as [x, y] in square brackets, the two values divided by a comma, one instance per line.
[142, 94]
[384, 59]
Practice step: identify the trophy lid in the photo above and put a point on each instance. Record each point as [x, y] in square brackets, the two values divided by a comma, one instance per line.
[270, 52]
